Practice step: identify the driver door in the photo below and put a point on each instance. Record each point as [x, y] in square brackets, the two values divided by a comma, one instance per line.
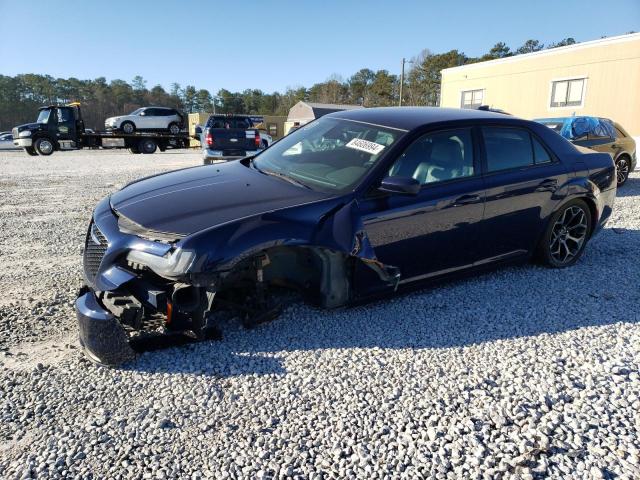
[64, 124]
[147, 120]
[436, 231]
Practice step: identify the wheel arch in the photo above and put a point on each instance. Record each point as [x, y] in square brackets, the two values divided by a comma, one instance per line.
[47, 136]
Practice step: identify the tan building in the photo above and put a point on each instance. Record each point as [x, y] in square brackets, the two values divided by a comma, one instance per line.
[304, 112]
[599, 78]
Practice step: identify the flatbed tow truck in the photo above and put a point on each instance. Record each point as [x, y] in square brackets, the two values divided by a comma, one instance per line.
[60, 127]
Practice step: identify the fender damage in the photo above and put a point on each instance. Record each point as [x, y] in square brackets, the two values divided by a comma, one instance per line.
[237, 267]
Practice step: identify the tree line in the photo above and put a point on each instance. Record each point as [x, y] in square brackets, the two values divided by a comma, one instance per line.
[22, 95]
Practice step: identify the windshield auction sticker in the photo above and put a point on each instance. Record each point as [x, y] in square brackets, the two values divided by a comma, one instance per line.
[366, 146]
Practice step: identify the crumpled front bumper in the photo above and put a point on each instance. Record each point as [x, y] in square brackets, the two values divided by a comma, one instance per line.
[102, 337]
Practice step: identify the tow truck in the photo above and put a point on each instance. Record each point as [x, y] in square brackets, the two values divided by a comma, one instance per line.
[60, 127]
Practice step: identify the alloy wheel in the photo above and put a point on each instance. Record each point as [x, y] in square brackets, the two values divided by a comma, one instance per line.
[622, 170]
[174, 129]
[127, 128]
[568, 234]
[45, 146]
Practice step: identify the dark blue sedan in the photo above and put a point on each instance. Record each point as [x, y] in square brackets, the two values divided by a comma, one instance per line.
[354, 205]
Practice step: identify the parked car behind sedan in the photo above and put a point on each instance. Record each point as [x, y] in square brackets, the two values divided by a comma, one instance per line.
[352, 205]
[228, 137]
[6, 141]
[601, 135]
[148, 118]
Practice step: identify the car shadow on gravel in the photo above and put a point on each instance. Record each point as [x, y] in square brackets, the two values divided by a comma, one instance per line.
[522, 302]
[631, 188]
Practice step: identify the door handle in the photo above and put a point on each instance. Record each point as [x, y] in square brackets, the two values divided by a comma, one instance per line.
[614, 145]
[466, 200]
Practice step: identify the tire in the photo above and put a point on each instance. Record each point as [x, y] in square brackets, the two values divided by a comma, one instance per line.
[174, 128]
[44, 146]
[134, 150]
[623, 166]
[128, 127]
[265, 144]
[566, 236]
[31, 151]
[148, 146]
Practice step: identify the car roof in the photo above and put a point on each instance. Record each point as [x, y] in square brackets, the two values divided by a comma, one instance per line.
[409, 118]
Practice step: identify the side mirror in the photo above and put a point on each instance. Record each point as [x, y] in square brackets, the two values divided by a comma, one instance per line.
[198, 130]
[401, 185]
[142, 114]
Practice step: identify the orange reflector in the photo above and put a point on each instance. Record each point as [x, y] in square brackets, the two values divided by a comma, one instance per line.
[169, 312]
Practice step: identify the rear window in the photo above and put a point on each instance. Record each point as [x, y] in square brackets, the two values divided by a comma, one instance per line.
[228, 122]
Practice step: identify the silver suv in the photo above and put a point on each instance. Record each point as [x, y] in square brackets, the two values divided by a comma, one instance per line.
[147, 118]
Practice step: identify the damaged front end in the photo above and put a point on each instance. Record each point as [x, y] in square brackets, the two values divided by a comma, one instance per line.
[143, 284]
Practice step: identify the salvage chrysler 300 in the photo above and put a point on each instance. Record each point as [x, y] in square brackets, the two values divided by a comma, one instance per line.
[353, 205]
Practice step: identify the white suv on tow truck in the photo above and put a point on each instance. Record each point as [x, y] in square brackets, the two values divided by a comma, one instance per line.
[148, 118]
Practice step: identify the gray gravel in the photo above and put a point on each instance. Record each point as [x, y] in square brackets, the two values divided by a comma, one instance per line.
[521, 373]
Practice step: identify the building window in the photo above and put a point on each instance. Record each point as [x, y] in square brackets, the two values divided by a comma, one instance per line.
[273, 129]
[471, 98]
[567, 93]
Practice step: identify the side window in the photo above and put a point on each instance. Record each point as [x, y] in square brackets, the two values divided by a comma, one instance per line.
[437, 157]
[64, 115]
[507, 148]
[540, 154]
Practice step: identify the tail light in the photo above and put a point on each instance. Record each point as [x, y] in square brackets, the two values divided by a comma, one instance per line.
[258, 142]
[209, 139]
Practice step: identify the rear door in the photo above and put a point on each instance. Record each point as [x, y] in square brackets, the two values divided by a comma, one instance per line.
[522, 178]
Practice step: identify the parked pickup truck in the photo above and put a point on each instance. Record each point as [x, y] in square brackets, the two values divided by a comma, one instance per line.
[227, 137]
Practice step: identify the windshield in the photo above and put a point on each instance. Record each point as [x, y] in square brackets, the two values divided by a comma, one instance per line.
[137, 112]
[329, 154]
[43, 116]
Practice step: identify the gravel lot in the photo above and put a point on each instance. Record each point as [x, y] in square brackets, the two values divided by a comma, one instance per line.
[522, 373]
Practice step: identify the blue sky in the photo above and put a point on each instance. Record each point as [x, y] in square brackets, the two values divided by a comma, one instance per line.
[272, 44]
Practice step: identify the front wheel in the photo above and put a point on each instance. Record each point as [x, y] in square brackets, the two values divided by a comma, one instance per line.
[174, 128]
[566, 236]
[128, 127]
[43, 146]
[31, 151]
[622, 170]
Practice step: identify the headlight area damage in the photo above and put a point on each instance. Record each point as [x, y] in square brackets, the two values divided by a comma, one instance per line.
[144, 285]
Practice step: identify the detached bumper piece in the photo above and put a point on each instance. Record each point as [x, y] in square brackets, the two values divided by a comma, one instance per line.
[102, 337]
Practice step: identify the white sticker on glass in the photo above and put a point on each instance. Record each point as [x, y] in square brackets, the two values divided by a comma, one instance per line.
[366, 146]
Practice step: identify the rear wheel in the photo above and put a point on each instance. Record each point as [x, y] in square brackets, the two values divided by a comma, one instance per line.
[134, 149]
[622, 169]
[566, 236]
[174, 128]
[43, 146]
[31, 151]
[147, 146]
[128, 127]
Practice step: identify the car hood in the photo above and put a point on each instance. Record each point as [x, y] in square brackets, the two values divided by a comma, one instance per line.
[29, 126]
[187, 201]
